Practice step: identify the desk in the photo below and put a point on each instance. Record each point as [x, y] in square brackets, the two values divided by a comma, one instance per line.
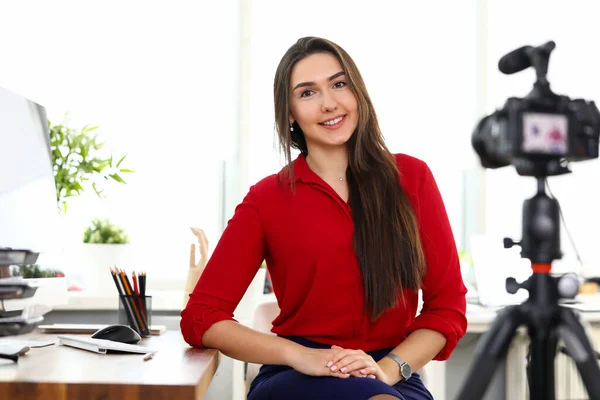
[177, 371]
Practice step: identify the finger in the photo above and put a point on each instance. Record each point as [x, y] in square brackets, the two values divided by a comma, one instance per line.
[351, 363]
[345, 361]
[368, 371]
[357, 374]
[337, 356]
[358, 365]
[355, 356]
[339, 375]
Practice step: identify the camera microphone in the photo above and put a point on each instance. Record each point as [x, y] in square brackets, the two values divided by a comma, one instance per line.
[520, 59]
[515, 61]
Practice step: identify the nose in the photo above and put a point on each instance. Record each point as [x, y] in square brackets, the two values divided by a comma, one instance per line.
[329, 103]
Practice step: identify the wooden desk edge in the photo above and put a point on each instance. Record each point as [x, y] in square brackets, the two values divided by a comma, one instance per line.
[64, 391]
[208, 376]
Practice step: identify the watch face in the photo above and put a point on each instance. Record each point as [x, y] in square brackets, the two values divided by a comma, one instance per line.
[406, 371]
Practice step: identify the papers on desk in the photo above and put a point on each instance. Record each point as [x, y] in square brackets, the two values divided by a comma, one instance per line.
[47, 291]
[583, 306]
[12, 349]
[102, 346]
[26, 343]
[19, 322]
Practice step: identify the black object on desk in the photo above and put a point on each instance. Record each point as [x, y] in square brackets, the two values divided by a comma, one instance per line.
[118, 333]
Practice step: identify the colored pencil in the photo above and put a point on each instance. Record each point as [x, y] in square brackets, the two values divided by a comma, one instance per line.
[135, 313]
[122, 296]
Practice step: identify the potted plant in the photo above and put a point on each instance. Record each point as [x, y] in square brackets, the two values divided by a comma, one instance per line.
[77, 159]
[79, 162]
[34, 271]
[104, 232]
[104, 245]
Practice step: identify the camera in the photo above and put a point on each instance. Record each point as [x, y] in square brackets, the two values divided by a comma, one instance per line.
[542, 132]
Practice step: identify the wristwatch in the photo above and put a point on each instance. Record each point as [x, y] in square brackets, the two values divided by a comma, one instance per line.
[405, 370]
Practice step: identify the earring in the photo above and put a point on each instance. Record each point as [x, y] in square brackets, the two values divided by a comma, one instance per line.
[292, 127]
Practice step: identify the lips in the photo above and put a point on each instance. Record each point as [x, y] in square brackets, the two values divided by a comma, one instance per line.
[333, 123]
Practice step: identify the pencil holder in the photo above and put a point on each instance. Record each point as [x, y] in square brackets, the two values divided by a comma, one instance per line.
[136, 312]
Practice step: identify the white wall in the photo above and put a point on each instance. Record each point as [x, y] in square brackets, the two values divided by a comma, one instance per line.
[161, 79]
[418, 60]
[573, 71]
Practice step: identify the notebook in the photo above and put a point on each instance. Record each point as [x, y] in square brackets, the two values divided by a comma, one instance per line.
[101, 346]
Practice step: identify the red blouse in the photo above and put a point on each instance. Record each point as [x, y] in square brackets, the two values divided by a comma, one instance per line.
[306, 240]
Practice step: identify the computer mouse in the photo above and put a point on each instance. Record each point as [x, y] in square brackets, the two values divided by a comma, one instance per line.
[118, 333]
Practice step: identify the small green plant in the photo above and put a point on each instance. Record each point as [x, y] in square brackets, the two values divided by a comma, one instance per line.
[76, 159]
[103, 231]
[34, 271]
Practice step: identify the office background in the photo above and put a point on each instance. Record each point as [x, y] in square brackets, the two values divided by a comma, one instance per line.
[185, 89]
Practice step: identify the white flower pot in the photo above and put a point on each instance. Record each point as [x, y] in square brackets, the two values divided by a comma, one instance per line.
[93, 261]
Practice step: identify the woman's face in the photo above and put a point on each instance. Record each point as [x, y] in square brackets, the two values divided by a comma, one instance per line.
[321, 102]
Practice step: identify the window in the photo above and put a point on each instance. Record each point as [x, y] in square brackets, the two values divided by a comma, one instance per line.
[418, 61]
[162, 83]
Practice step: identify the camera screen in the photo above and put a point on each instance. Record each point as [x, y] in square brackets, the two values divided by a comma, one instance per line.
[545, 133]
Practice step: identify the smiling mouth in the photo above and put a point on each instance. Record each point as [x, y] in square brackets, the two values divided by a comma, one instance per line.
[333, 122]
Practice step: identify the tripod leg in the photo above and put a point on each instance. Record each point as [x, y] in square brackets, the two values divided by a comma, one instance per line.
[491, 349]
[581, 351]
[540, 368]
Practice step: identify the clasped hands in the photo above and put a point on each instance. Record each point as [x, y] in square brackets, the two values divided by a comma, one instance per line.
[339, 362]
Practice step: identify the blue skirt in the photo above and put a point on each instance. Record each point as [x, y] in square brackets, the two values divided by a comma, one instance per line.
[275, 382]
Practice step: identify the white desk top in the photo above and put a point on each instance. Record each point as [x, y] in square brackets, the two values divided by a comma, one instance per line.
[479, 318]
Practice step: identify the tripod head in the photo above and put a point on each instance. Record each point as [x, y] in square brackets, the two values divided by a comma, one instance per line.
[540, 241]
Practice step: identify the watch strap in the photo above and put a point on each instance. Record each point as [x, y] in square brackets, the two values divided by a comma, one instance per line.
[401, 363]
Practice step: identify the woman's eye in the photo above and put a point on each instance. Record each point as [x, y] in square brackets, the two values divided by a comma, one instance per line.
[306, 93]
[339, 84]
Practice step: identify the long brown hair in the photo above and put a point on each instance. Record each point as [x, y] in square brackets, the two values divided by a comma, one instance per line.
[386, 236]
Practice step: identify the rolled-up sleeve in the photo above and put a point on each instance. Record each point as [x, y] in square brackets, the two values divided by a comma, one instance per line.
[444, 301]
[232, 266]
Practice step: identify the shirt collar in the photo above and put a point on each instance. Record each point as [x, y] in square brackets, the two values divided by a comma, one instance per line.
[302, 171]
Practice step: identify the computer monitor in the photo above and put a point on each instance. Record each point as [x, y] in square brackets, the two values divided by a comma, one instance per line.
[28, 207]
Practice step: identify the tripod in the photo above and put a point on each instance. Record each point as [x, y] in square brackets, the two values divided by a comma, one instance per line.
[546, 320]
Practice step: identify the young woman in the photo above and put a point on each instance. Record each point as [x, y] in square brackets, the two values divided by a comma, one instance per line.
[350, 233]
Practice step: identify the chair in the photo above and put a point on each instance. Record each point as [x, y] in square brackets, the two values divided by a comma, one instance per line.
[263, 322]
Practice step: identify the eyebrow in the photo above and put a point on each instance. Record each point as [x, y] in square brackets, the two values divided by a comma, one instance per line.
[332, 77]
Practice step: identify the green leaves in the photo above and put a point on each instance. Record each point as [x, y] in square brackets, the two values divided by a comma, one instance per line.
[117, 178]
[76, 158]
[103, 231]
[120, 161]
[29, 271]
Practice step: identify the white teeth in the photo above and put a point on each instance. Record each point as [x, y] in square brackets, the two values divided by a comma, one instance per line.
[333, 121]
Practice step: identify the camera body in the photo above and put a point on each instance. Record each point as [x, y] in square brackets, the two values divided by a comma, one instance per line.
[541, 133]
